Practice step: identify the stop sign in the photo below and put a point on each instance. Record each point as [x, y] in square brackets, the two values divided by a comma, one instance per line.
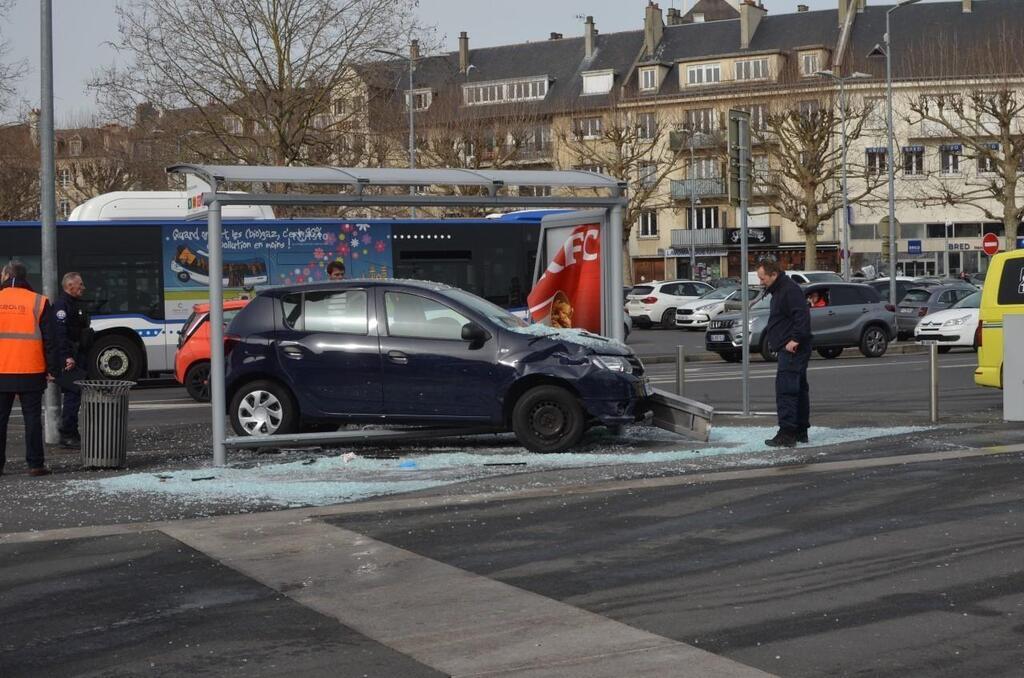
[990, 244]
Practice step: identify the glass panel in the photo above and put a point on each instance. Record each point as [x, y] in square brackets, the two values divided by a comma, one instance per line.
[343, 312]
[291, 310]
[418, 317]
[917, 295]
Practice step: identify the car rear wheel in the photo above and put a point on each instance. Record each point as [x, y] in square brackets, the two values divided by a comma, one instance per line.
[548, 419]
[668, 319]
[262, 408]
[945, 349]
[767, 353]
[732, 356]
[874, 342]
[197, 381]
[830, 353]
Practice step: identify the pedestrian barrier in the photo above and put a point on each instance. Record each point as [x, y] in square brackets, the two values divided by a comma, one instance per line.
[104, 422]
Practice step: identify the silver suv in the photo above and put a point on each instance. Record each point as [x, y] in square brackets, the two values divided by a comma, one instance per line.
[853, 316]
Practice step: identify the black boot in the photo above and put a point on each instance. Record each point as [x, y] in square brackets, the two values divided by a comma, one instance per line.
[70, 440]
[784, 438]
[801, 435]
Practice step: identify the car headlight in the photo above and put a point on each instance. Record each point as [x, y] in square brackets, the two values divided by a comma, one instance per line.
[705, 307]
[957, 322]
[611, 362]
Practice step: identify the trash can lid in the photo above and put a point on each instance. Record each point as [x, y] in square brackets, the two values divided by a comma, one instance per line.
[110, 386]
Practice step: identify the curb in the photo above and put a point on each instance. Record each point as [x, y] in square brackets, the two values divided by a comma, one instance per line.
[707, 356]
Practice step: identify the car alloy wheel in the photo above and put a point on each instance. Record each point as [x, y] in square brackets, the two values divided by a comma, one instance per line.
[874, 342]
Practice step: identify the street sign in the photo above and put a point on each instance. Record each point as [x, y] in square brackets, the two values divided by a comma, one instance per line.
[990, 244]
[914, 247]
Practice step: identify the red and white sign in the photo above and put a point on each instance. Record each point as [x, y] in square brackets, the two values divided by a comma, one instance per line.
[568, 294]
[990, 244]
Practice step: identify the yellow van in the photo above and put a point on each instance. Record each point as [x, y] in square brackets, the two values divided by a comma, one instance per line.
[1003, 293]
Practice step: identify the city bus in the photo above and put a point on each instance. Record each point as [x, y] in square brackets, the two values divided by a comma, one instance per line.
[143, 276]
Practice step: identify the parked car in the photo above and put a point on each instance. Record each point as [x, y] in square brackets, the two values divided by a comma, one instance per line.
[805, 277]
[956, 326]
[696, 314]
[921, 300]
[655, 303]
[1003, 294]
[192, 359]
[903, 285]
[855, 316]
[420, 353]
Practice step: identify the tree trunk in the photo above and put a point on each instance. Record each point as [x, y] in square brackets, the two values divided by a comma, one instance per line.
[627, 265]
[1010, 216]
[811, 247]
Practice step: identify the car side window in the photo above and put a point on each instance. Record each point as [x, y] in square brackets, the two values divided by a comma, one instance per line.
[947, 297]
[291, 311]
[417, 317]
[343, 312]
[843, 296]
[672, 289]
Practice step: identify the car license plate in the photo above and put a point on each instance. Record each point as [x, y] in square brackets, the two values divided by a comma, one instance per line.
[906, 310]
[716, 337]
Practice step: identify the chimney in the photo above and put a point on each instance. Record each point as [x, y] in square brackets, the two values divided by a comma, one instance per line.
[967, 8]
[589, 35]
[750, 17]
[675, 16]
[802, 8]
[463, 51]
[555, 36]
[654, 26]
[414, 50]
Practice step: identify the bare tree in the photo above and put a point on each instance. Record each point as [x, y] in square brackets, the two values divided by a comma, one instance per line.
[10, 71]
[19, 173]
[804, 159]
[633, 146]
[984, 116]
[253, 81]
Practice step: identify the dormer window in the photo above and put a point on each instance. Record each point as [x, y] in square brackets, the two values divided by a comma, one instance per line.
[649, 79]
[703, 74]
[598, 82]
[530, 89]
[421, 99]
[75, 147]
[752, 69]
[698, 18]
[232, 124]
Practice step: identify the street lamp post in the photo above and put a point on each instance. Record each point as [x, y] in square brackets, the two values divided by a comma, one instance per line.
[412, 113]
[693, 211]
[887, 50]
[842, 125]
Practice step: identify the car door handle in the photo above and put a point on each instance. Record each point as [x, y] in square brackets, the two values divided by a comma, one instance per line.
[865, 310]
[831, 313]
[292, 351]
[398, 357]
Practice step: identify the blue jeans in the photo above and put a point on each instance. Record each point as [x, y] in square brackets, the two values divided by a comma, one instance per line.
[32, 416]
[792, 395]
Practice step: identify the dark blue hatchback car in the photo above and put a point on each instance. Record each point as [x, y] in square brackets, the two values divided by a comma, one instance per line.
[410, 352]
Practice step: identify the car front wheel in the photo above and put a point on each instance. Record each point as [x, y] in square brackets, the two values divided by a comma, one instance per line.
[874, 342]
[830, 353]
[548, 419]
[767, 353]
[668, 319]
[263, 408]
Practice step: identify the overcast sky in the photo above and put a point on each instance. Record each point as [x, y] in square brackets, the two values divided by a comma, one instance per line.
[81, 27]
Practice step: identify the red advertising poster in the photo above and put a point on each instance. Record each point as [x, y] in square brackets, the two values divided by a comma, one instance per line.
[568, 294]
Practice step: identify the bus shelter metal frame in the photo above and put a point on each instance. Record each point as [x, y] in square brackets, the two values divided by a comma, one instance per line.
[353, 184]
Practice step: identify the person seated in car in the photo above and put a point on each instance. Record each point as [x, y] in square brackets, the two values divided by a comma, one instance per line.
[816, 300]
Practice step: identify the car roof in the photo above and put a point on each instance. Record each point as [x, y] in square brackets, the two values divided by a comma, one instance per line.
[229, 304]
[423, 285]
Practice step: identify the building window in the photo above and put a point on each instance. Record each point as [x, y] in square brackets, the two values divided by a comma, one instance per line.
[648, 172]
[421, 99]
[320, 121]
[703, 217]
[598, 82]
[950, 156]
[232, 124]
[64, 208]
[876, 161]
[596, 169]
[703, 74]
[706, 168]
[648, 224]
[752, 69]
[809, 64]
[647, 125]
[500, 92]
[65, 178]
[75, 147]
[913, 161]
[702, 120]
[648, 79]
[808, 108]
[758, 113]
[588, 128]
[987, 164]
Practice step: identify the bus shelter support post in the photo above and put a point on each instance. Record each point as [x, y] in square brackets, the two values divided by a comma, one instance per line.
[681, 370]
[217, 404]
[613, 302]
[933, 360]
[48, 201]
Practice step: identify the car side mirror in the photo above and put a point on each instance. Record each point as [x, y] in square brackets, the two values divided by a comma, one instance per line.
[474, 334]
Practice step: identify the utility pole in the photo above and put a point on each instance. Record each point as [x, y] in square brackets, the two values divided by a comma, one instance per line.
[48, 193]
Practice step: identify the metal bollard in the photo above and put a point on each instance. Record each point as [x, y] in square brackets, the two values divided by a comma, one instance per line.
[104, 418]
[933, 357]
[680, 369]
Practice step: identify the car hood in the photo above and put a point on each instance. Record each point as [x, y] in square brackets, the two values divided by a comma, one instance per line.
[698, 303]
[951, 313]
[738, 315]
[574, 340]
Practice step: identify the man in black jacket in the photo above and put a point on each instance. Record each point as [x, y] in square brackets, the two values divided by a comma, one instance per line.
[789, 332]
[73, 335]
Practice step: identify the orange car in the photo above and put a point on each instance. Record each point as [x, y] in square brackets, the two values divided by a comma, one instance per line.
[192, 361]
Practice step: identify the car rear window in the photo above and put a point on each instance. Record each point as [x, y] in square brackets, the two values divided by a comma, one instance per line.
[1011, 285]
[641, 290]
[822, 277]
[917, 296]
[335, 311]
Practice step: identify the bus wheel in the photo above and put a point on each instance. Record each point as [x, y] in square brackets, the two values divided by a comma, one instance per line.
[115, 357]
[183, 276]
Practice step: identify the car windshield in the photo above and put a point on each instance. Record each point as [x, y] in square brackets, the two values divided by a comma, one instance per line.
[970, 301]
[917, 296]
[764, 302]
[641, 290]
[719, 294]
[485, 308]
[827, 276]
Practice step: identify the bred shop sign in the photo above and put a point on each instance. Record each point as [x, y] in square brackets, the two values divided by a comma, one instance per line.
[568, 294]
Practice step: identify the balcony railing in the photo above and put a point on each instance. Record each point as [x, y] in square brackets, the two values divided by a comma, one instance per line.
[698, 237]
[678, 141]
[712, 187]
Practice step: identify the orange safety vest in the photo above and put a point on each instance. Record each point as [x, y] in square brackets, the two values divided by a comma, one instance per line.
[21, 340]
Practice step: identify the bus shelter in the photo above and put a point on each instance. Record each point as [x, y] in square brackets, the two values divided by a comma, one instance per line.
[598, 198]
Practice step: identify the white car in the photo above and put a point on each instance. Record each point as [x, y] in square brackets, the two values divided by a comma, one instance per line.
[954, 326]
[695, 315]
[806, 277]
[655, 303]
